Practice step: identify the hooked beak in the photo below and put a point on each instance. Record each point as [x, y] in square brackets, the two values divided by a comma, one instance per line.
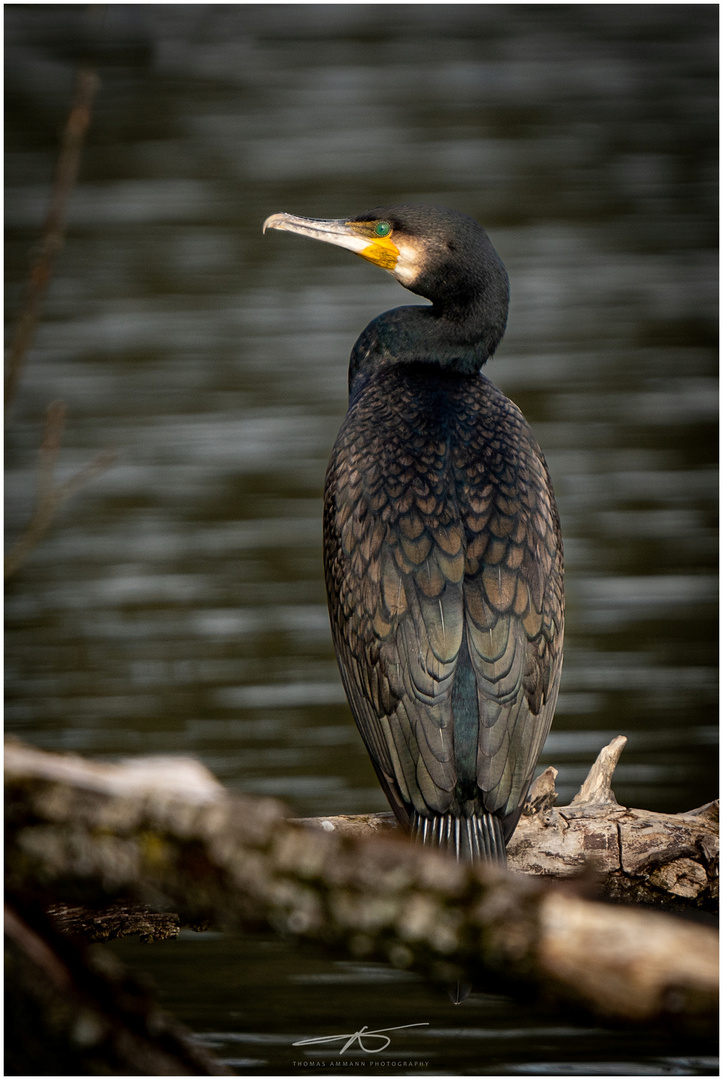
[353, 235]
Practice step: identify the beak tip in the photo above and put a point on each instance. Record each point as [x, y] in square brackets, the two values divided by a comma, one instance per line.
[272, 222]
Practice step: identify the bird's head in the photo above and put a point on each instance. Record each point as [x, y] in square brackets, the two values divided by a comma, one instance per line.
[441, 254]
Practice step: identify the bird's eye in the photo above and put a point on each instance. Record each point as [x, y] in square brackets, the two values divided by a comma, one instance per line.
[382, 228]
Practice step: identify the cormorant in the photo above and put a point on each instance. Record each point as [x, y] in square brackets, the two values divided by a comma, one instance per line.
[442, 546]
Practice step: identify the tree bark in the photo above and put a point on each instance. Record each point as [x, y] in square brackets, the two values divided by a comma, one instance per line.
[166, 834]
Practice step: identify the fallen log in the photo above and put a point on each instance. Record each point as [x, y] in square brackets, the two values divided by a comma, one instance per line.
[636, 856]
[167, 834]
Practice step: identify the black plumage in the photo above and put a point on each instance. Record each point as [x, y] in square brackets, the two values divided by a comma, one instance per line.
[442, 546]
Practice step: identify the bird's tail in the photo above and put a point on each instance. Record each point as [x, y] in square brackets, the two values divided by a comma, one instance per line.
[479, 837]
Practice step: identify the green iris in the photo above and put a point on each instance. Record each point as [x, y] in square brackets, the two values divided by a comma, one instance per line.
[382, 228]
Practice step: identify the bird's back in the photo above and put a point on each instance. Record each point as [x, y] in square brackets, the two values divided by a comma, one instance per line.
[443, 566]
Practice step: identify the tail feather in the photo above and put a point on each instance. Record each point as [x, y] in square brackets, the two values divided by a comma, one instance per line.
[479, 838]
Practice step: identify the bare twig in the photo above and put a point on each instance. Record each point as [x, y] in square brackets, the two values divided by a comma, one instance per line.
[51, 495]
[87, 83]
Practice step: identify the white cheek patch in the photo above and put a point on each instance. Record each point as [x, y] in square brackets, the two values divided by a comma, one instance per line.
[409, 264]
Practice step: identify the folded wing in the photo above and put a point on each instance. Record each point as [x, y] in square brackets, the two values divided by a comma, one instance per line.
[444, 575]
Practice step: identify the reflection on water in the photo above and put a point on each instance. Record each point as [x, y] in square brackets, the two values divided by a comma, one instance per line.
[178, 602]
[484, 1036]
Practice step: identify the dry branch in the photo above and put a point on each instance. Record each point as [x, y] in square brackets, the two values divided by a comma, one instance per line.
[165, 833]
[53, 234]
[670, 860]
[49, 494]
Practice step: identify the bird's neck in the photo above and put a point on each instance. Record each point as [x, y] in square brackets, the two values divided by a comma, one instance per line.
[455, 339]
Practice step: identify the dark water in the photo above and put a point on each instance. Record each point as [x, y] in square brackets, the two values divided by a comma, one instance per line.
[177, 605]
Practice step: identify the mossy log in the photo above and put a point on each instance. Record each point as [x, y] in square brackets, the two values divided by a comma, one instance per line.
[167, 834]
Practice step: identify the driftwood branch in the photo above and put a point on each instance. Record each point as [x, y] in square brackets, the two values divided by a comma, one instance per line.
[669, 860]
[166, 834]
